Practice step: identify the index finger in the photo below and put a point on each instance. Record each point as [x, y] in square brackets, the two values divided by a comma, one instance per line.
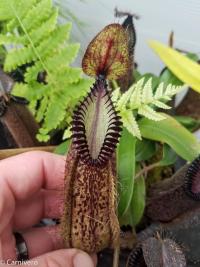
[27, 173]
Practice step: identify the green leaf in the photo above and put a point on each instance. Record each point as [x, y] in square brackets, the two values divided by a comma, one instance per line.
[125, 98]
[63, 148]
[136, 208]
[145, 149]
[67, 133]
[192, 56]
[168, 77]
[138, 201]
[136, 97]
[137, 75]
[130, 123]
[169, 156]
[126, 170]
[147, 93]
[174, 134]
[50, 84]
[154, 78]
[184, 68]
[150, 113]
[190, 123]
[116, 94]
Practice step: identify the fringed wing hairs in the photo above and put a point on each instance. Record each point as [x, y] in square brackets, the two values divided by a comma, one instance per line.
[79, 128]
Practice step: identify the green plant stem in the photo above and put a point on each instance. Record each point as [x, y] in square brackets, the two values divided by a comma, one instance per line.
[146, 169]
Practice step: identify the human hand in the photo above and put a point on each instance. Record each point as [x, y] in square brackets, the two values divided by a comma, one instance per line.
[30, 189]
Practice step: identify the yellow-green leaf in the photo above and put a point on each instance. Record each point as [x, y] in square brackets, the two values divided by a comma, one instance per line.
[125, 170]
[170, 131]
[184, 68]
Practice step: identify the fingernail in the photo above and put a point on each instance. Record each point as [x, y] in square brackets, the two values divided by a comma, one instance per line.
[82, 259]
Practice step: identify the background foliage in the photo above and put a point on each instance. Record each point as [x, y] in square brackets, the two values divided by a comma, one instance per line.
[42, 46]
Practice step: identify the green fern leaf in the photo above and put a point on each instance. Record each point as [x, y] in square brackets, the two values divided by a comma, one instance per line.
[67, 133]
[21, 89]
[160, 104]
[149, 113]
[140, 97]
[63, 57]
[159, 91]
[32, 72]
[19, 10]
[38, 40]
[136, 97]
[125, 98]
[130, 123]
[43, 30]
[172, 90]
[55, 113]
[42, 109]
[18, 57]
[147, 94]
[115, 95]
[8, 9]
[5, 11]
[37, 14]
[8, 39]
[55, 41]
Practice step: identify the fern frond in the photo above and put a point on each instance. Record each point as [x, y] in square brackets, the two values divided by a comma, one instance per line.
[44, 30]
[160, 104]
[140, 97]
[67, 133]
[40, 42]
[32, 72]
[42, 108]
[54, 41]
[19, 10]
[116, 94]
[18, 57]
[149, 113]
[55, 113]
[147, 92]
[9, 8]
[136, 97]
[125, 98]
[38, 13]
[8, 39]
[130, 123]
[63, 57]
[159, 91]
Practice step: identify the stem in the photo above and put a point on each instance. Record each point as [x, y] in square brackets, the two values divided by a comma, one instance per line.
[146, 169]
[116, 256]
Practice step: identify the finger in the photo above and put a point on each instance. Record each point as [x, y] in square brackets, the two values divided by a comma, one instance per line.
[65, 258]
[42, 240]
[38, 241]
[58, 258]
[20, 180]
[45, 204]
[8, 243]
[28, 172]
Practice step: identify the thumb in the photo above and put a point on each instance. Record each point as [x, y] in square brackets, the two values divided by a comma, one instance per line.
[63, 258]
[59, 258]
